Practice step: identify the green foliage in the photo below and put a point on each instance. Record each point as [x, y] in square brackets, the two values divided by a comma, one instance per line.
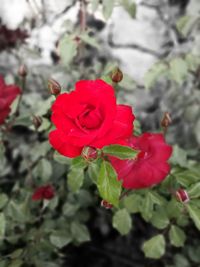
[108, 186]
[121, 152]
[122, 221]
[155, 247]
[177, 236]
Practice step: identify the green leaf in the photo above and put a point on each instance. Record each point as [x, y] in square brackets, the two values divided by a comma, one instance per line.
[178, 70]
[3, 200]
[194, 213]
[89, 40]
[188, 177]
[75, 179]
[2, 225]
[182, 22]
[159, 218]
[194, 191]
[43, 170]
[80, 232]
[108, 8]
[121, 152]
[95, 4]
[16, 263]
[60, 238]
[122, 221]
[68, 49]
[93, 171]
[130, 7]
[78, 162]
[108, 185]
[154, 74]
[132, 203]
[193, 61]
[61, 159]
[177, 236]
[179, 156]
[155, 247]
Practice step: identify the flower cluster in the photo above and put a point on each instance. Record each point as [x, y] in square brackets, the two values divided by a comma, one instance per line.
[8, 93]
[89, 116]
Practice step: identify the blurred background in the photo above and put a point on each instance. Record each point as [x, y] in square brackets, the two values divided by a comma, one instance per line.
[156, 44]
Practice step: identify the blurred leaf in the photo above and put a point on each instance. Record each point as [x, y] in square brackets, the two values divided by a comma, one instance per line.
[108, 8]
[197, 131]
[108, 185]
[155, 247]
[2, 225]
[194, 191]
[179, 156]
[93, 171]
[61, 159]
[187, 177]
[89, 40]
[194, 213]
[127, 83]
[17, 253]
[3, 200]
[70, 209]
[177, 236]
[75, 179]
[43, 170]
[121, 152]
[95, 4]
[154, 74]
[80, 232]
[181, 23]
[16, 263]
[60, 238]
[122, 221]
[130, 7]
[178, 70]
[132, 203]
[68, 49]
[193, 61]
[159, 218]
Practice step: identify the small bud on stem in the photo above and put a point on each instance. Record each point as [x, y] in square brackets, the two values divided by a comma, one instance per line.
[166, 121]
[22, 71]
[37, 121]
[116, 75]
[106, 204]
[182, 195]
[89, 153]
[54, 87]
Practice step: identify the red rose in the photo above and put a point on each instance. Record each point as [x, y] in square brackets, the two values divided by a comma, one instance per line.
[150, 167]
[43, 192]
[89, 116]
[7, 94]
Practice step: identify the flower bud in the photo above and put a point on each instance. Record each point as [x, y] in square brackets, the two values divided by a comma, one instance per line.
[166, 120]
[116, 75]
[22, 71]
[37, 121]
[89, 153]
[54, 87]
[182, 195]
[106, 204]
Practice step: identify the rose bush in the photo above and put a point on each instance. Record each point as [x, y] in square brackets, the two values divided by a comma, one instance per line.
[89, 116]
[8, 93]
[150, 167]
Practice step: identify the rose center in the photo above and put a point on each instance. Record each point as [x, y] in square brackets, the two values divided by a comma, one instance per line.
[90, 118]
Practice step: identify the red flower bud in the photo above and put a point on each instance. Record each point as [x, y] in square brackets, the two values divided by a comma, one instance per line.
[89, 153]
[116, 75]
[37, 121]
[54, 87]
[182, 195]
[22, 71]
[43, 192]
[166, 120]
[106, 204]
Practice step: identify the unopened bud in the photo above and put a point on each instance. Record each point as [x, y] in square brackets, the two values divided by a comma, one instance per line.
[182, 195]
[166, 120]
[106, 204]
[22, 71]
[37, 121]
[116, 75]
[89, 153]
[54, 87]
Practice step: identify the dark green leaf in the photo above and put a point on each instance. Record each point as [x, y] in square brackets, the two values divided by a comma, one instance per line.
[177, 236]
[108, 185]
[121, 152]
[80, 232]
